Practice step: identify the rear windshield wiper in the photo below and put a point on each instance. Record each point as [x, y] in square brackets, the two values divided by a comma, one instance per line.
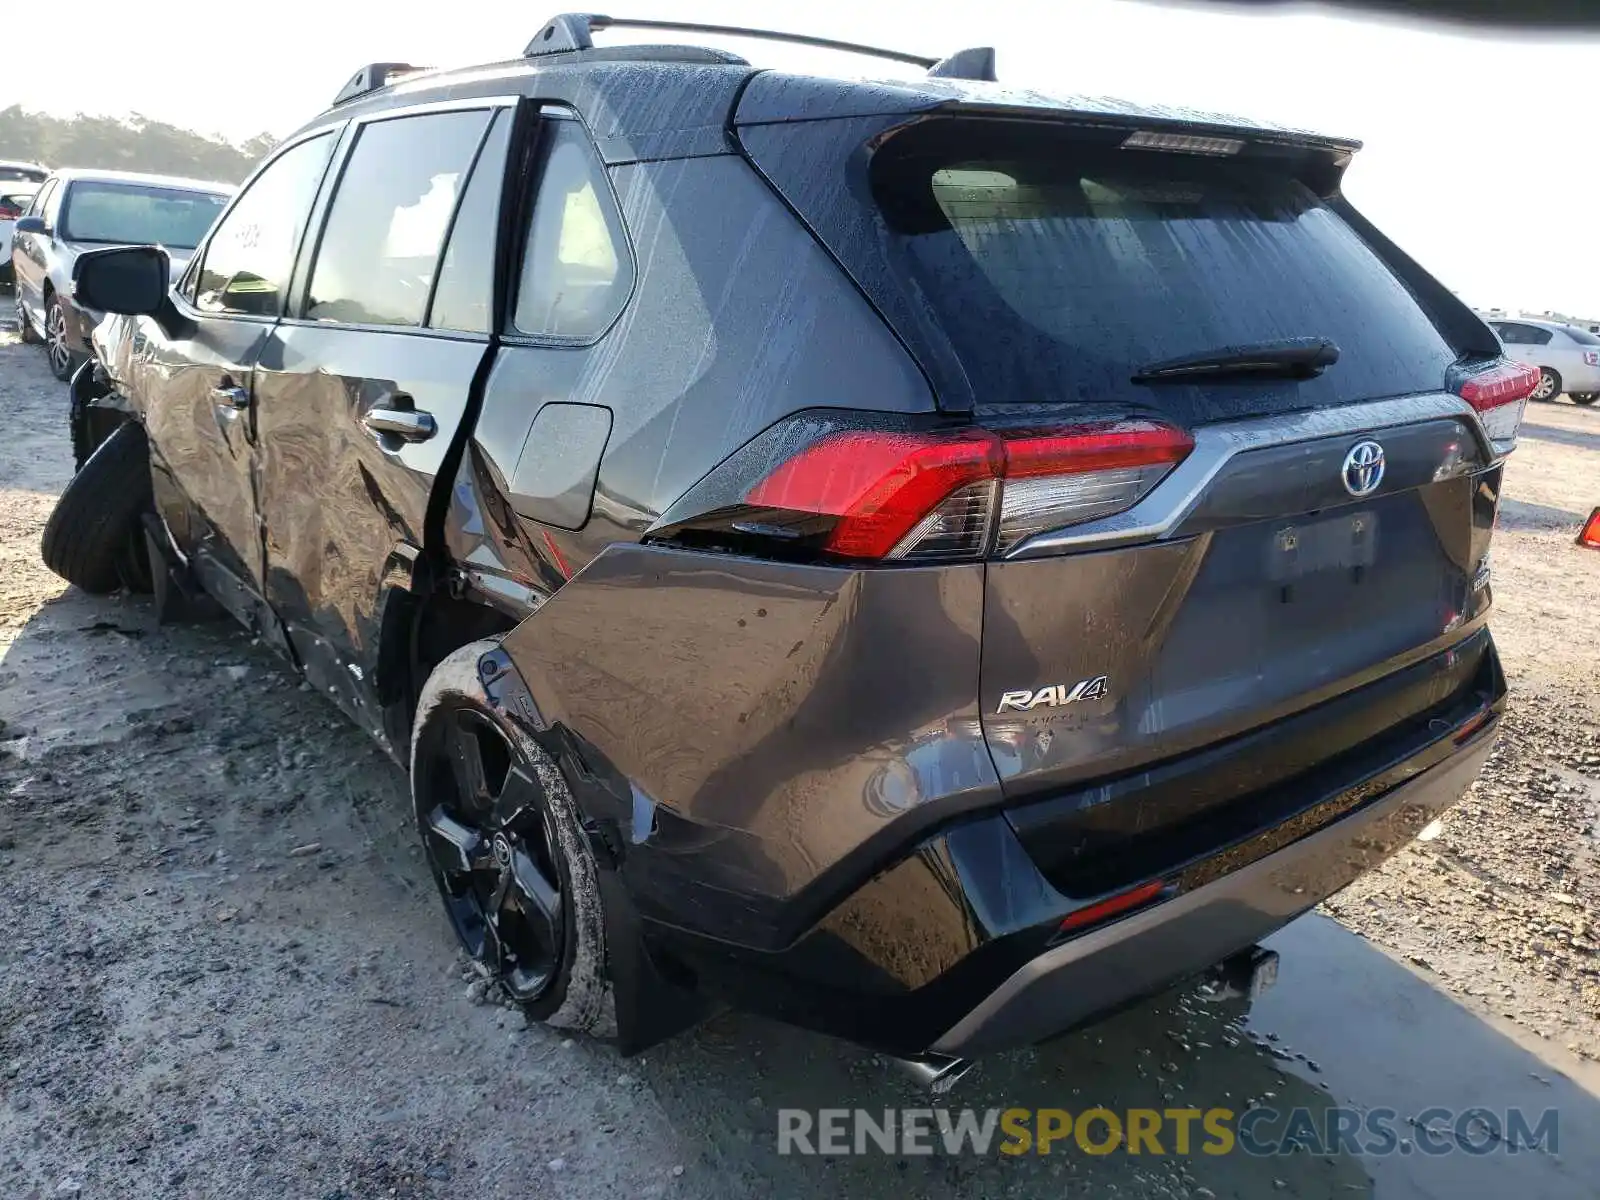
[1292, 358]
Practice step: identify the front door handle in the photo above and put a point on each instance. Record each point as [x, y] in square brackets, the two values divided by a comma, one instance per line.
[406, 424]
[232, 398]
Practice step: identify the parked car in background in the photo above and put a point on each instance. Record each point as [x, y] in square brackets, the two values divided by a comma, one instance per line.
[703, 479]
[75, 210]
[19, 182]
[1567, 356]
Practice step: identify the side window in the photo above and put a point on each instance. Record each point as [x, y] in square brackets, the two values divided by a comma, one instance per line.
[1536, 336]
[41, 198]
[251, 252]
[386, 227]
[464, 294]
[575, 268]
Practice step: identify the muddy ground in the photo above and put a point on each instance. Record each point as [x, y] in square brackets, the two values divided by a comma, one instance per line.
[223, 972]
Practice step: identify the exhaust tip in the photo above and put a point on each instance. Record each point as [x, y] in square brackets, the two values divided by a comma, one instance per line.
[936, 1072]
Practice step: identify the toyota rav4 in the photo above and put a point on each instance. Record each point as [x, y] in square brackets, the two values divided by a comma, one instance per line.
[924, 560]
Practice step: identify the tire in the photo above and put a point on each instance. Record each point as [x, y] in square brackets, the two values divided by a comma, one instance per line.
[1549, 386]
[94, 538]
[30, 335]
[1586, 399]
[567, 984]
[62, 358]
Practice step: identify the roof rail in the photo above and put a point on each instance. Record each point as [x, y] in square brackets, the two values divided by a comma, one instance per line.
[571, 32]
[370, 78]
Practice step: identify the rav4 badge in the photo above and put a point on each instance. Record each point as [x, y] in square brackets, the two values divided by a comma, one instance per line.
[1054, 695]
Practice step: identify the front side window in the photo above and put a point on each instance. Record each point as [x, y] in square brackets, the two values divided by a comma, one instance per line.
[43, 198]
[386, 227]
[251, 255]
[575, 272]
[123, 214]
[1582, 336]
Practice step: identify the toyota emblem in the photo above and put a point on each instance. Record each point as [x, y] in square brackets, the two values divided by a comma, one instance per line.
[1363, 468]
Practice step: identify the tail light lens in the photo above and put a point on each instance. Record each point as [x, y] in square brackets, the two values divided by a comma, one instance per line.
[958, 494]
[7, 213]
[1500, 394]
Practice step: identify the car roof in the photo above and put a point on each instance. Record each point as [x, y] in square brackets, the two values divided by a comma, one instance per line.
[35, 171]
[645, 102]
[77, 174]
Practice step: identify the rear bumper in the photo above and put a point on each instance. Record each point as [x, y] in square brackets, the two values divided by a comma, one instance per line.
[1147, 951]
[953, 943]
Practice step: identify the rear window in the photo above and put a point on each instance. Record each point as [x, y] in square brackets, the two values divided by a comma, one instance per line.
[1056, 270]
[132, 214]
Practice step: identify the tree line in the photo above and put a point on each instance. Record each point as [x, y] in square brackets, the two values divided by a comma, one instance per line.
[126, 144]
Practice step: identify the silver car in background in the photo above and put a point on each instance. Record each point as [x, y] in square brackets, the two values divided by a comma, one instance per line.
[1567, 356]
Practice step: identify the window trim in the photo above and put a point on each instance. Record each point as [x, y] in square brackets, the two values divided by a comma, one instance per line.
[197, 260]
[294, 311]
[549, 115]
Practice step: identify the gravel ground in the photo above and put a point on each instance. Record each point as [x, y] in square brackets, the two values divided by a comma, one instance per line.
[225, 974]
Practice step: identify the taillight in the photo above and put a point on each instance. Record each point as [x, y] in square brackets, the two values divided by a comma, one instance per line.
[1500, 394]
[8, 213]
[963, 493]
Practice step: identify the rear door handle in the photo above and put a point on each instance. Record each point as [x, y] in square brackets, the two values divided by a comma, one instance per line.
[406, 424]
[232, 398]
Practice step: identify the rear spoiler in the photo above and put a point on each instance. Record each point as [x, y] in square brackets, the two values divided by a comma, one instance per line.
[774, 97]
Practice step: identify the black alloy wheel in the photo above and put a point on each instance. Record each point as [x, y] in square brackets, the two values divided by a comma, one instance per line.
[488, 835]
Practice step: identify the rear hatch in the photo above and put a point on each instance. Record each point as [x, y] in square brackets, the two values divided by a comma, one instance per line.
[1275, 494]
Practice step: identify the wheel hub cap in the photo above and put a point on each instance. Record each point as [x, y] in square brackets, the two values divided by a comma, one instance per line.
[490, 845]
[56, 338]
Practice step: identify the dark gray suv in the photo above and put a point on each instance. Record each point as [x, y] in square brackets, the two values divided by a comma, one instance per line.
[923, 560]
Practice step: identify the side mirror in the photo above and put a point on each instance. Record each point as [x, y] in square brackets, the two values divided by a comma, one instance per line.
[131, 280]
[29, 225]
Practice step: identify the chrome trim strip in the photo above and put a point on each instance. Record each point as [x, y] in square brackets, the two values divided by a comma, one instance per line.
[1164, 509]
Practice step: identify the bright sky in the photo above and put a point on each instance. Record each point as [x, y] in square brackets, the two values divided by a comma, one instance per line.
[1481, 149]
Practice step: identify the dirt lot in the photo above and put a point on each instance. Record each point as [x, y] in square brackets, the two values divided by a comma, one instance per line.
[224, 973]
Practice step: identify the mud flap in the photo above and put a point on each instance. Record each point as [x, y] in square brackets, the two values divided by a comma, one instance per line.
[177, 598]
[650, 1007]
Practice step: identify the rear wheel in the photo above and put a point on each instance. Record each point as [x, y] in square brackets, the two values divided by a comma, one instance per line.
[63, 361]
[93, 538]
[1587, 398]
[504, 843]
[1549, 386]
[29, 334]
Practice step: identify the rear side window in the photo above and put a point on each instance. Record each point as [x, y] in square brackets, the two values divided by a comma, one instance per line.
[1055, 269]
[1514, 333]
[386, 227]
[251, 252]
[575, 269]
[463, 296]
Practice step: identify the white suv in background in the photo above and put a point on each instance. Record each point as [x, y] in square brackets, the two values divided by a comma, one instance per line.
[1568, 358]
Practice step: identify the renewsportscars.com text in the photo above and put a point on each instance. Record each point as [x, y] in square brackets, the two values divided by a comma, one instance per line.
[1172, 1131]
